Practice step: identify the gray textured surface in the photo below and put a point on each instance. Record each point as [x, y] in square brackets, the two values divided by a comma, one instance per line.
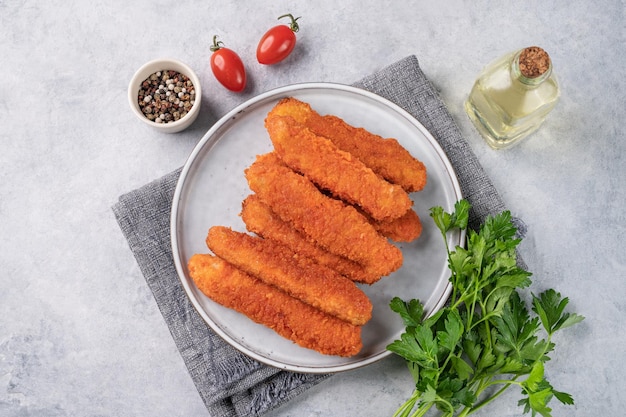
[80, 333]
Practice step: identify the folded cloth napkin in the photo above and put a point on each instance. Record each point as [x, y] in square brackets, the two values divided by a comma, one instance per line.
[230, 383]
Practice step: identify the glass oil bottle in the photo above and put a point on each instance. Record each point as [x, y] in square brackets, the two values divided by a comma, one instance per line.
[512, 97]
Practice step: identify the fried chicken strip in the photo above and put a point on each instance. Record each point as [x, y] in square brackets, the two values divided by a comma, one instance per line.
[260, 219]
[404, 229]
[334, 170]
[298, 276]
[328, 222]
[267, 305]
[386, 157]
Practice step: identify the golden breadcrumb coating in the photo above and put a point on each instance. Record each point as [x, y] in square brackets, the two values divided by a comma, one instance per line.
[271, 307]
[260, 219]
[334, 170]
[298, 276]
[386, 157]
[337, 227]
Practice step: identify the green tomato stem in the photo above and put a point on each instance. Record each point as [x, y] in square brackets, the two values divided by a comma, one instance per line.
[294, 24]
[216, 44]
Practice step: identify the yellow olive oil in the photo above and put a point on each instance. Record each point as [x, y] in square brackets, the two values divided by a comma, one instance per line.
[512, 97]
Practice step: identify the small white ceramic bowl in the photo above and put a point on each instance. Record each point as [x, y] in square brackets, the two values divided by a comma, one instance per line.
[163, 65]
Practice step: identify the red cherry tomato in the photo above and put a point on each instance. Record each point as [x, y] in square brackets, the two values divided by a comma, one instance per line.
[278, 42]
[227, 67]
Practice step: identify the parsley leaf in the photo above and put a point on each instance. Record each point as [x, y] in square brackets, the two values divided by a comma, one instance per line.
[549, 306]
[455, 220]
[411, 312]
[485, 337]
[450, 337]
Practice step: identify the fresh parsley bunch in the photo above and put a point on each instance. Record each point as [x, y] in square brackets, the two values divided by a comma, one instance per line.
[485, 340]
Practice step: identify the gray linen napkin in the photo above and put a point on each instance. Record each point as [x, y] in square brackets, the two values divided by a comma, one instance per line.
[230, 383]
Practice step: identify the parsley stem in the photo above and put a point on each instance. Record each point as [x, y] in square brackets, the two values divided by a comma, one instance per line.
[407, 407]
[487, 326]
[503, 381]
[445, 403]
[507, 383]
[472, 307]
[466, 411]
[453, 278]
[422, 410]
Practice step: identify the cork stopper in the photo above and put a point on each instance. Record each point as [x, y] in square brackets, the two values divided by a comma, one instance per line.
[533, 62]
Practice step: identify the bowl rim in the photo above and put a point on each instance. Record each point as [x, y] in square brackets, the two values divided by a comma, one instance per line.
[163, 64]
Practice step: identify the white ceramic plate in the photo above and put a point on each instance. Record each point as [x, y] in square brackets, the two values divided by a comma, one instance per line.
[212, 187]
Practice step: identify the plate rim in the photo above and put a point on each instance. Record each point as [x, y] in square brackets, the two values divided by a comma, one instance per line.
[180, 270]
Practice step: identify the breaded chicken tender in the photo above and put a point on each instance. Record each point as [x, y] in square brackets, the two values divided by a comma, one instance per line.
[330, 223]
[260, 219]
[298, 276]
[404, 229]
[386, 157]
[267, 305]
[334, 170]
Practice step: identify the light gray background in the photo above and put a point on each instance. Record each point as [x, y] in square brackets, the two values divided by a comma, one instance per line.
[80, 333]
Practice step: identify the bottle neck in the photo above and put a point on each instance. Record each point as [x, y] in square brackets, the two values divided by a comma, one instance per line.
[516, 73]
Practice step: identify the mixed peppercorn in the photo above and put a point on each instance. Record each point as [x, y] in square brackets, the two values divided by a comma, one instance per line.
[166, 96]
